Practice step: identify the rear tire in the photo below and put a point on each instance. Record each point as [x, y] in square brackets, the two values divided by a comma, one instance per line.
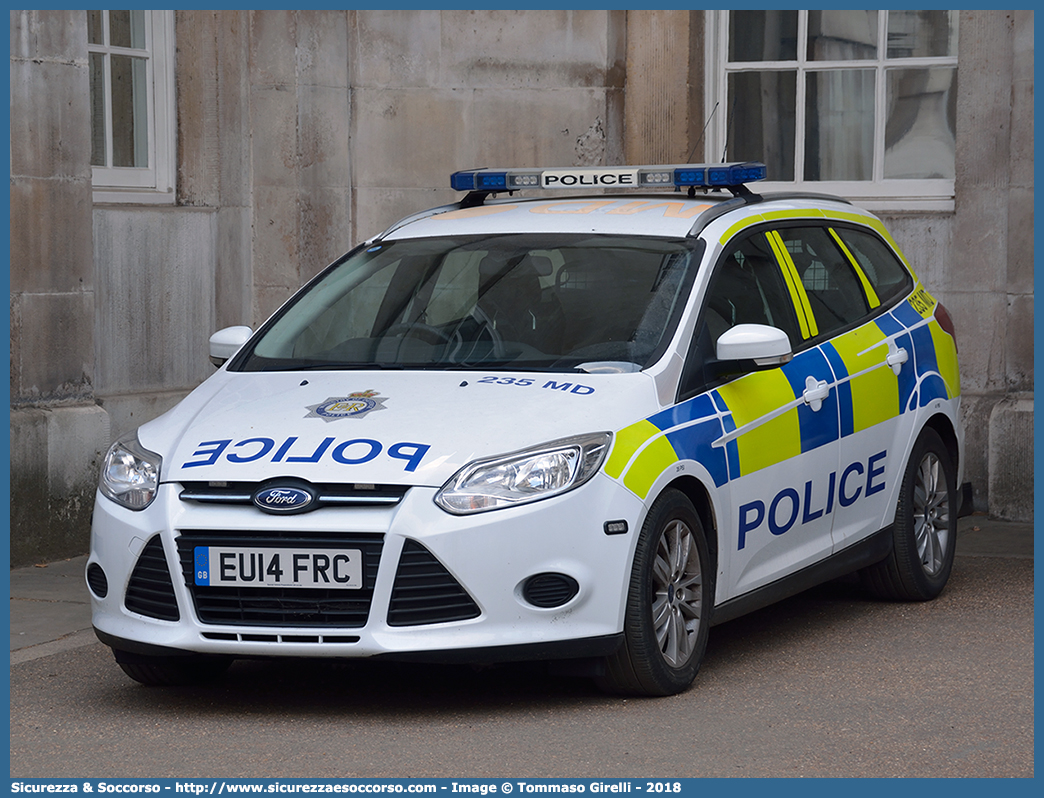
[669, 601]
[925, 530]
[172, 671]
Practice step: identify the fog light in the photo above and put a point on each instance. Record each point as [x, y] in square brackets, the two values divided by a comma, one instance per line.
[96, 580]
[550, 590]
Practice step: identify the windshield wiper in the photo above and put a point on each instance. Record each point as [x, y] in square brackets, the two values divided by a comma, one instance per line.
[312, 366]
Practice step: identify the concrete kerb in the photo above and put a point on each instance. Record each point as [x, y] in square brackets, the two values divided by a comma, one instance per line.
[51, 608]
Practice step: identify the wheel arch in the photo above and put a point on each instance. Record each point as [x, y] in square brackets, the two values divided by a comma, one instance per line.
[944, 427]
[697, 493]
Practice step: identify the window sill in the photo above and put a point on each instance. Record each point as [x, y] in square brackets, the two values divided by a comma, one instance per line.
[888, 197]
[136, 196]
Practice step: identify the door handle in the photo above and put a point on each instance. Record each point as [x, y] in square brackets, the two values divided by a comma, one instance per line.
[815, 392]
[896, 357]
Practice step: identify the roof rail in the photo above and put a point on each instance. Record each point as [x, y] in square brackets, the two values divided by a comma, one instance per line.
[742, 200]
[413, 217]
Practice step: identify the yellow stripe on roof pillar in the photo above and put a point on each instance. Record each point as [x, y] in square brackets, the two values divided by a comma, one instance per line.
[740, 225]
[871, 294]
[809, 328]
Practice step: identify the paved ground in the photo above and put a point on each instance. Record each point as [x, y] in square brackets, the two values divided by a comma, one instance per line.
[827, 683]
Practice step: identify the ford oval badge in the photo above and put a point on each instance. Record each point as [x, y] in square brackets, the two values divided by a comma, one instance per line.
[283, 499]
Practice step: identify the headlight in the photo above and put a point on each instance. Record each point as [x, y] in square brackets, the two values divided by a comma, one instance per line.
[527, 476]
[130, 473]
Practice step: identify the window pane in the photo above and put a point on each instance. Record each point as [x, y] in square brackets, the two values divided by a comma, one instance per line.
[922, 34]
[921, 123]
[839, 121]
[95, 33]
[97, 81]
[763, 35]
[833, 288]
[127, 29]
[130, 131]
[880, 265]
[842, 35]
[749, 289]
[760, 125]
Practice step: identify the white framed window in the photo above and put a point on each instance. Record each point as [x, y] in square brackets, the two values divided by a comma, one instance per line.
[860, 103]
[131, 66]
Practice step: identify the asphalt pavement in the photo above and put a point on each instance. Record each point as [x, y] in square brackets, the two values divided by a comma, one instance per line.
[51, 608]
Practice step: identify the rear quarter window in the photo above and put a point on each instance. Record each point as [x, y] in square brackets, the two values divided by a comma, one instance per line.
[879, 263]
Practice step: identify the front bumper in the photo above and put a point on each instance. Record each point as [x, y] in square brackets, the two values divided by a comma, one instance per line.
[436, 587]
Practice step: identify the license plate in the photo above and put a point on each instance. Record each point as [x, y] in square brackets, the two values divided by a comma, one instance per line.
[221, 566]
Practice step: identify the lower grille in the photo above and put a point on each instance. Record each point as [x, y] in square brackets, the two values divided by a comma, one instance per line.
[150, 590]
[425, 592]
[282, 606]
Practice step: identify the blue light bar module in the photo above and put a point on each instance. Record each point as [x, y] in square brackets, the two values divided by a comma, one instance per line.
[724, 175]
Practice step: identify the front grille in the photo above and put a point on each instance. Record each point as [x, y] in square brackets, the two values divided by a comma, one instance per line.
[150, 590]
[282, 606]
[327, 494]
[425, 592]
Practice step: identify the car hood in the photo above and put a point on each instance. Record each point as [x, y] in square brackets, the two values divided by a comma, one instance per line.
[409, 428]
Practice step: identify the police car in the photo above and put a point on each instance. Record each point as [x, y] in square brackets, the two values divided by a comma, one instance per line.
[583, 426]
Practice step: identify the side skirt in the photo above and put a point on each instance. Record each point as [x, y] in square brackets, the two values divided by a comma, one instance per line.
[859, 555]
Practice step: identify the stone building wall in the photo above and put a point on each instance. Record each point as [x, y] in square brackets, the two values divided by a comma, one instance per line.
[58, 432]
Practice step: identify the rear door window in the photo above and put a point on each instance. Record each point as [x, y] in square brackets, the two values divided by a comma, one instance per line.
[835, 293]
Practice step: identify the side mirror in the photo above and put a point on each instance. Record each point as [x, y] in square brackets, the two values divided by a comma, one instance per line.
[225, 343]
[751, 347]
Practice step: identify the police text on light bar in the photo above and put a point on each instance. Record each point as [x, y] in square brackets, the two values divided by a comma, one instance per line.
[665, 175]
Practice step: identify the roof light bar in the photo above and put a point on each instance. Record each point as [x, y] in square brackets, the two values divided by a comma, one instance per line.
[672, 175]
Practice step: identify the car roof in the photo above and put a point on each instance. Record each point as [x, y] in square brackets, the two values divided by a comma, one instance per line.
[661, 215]
[645, 215]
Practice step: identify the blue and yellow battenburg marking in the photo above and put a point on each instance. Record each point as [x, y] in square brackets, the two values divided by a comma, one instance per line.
[894, 364]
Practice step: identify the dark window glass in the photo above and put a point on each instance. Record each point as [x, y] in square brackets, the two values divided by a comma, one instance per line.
[880, 265]
[749, 289]
[833, 287]
[541, 302]
[763, 35]
[842, 35]
[761, 119]
[919, 34]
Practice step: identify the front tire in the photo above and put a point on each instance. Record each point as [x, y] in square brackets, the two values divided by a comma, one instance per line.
[669, 601]
[925, 530]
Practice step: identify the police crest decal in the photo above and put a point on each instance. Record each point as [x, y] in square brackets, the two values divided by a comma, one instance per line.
[354, 405]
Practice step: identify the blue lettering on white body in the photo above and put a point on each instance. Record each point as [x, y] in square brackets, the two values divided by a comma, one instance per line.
[580, 390]
[354, 451]
[787, 506]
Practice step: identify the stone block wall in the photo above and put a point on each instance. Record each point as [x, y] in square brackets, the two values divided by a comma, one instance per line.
[438, 91]
[57, 431]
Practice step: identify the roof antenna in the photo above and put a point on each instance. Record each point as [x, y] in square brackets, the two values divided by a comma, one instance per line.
[697, 144]
[728, 128]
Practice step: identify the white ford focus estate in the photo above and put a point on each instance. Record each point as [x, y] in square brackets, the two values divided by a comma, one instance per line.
[559, 427]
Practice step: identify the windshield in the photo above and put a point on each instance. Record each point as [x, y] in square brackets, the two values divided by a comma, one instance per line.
[524, 302]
